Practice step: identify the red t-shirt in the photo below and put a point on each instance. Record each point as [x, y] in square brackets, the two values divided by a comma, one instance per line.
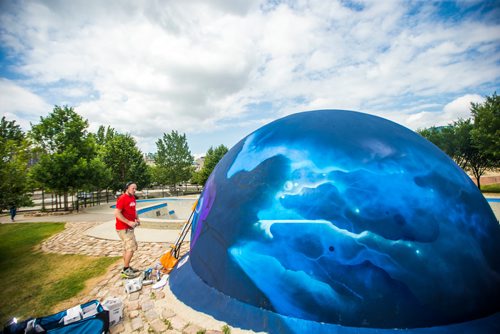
[126, 204]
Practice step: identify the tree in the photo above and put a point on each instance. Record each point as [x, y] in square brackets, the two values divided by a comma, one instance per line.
[173, 159]
[104, 135]
[486, 131]
[446, 139]
[67, 151]
[63, 129]
[122, 156]
[101, 175]
[196, 177]
[14, 158]
[476, 160]
[212, 157]
[457, 141]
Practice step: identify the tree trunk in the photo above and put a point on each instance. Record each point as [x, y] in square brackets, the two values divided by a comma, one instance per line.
[477, 174]
[65, 201]
[77, 202]
[43, 200]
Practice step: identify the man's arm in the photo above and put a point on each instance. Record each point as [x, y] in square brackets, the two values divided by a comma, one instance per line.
[119, 215]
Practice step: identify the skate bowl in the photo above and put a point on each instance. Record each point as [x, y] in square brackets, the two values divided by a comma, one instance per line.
[164, 213]
[164, 227]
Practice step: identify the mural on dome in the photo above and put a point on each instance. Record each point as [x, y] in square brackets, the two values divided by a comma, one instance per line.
[346, 218]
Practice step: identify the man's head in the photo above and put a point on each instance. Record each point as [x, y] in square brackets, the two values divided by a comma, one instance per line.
[130, 188]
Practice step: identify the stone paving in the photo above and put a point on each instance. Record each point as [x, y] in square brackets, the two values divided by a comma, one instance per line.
[147, 310]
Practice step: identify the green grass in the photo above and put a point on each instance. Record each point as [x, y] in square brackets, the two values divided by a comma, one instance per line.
[491, 188]
[226, 329]
[33, 282]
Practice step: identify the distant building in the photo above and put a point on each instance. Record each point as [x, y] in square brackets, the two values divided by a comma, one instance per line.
[149, 158]
[198, 163]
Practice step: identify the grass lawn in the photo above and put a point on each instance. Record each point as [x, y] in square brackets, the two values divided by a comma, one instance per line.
[491, 188]
[33, 282]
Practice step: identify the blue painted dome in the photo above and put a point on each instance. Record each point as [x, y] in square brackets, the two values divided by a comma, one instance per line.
[345, 218]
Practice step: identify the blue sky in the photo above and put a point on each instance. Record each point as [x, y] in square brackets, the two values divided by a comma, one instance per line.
[217, 70]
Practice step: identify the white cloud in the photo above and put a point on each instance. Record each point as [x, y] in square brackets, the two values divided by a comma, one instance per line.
[149, 67]
[456, 109]
[19, 104]
[460, 107]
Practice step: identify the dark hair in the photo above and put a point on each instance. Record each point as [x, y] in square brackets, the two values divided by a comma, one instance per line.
[128, 185]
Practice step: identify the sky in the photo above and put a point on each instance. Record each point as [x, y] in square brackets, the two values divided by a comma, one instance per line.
[218, 70]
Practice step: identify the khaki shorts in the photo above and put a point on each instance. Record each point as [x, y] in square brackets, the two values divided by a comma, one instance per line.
[128, 238]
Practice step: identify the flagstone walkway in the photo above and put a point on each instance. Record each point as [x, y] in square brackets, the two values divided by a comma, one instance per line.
[147, 310]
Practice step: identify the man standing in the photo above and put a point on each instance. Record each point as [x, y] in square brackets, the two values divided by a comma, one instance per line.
[126, 221]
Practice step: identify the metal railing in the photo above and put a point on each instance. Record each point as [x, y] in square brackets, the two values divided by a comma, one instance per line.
[52, 202]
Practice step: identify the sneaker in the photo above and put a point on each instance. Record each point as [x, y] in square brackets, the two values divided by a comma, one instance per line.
[134, 270]
[129, 273]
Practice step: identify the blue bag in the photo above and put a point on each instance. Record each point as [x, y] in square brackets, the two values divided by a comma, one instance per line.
[87, 318]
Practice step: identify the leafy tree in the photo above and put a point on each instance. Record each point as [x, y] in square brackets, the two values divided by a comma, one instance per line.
[457, 140]
[14, 158]
[104, 135]
[63, 129]
[101, 175]
[486, 131]
[212, 157]
[196, 177]
[65, 164]
[122, 156]
[445, 137]
[476, 160]
[173, 159]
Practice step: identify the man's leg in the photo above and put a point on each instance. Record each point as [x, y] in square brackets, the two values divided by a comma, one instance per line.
[127, 256]
[129, 247]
